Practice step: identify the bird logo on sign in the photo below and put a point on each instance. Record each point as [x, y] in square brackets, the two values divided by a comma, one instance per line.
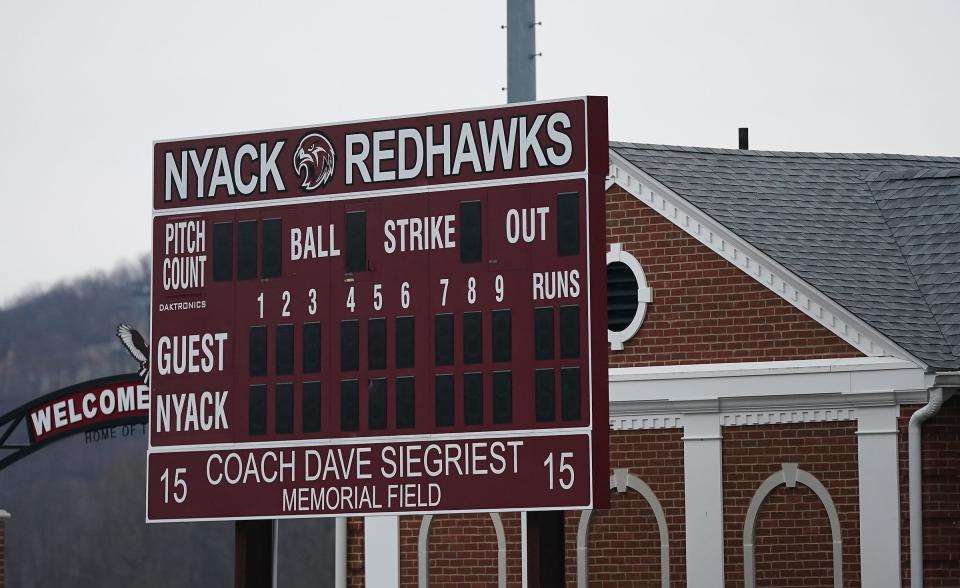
[314, 161]
[135, 344]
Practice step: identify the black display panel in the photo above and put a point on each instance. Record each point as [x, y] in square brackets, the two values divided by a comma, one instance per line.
[284, 346]
[272, 248]
[257, 358]
[444, 402]
[257, 422]
[283, 408]
[349, 346]
[247, 250]
[222, 252]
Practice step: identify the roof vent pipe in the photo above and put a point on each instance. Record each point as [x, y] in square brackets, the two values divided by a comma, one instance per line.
[744, 138]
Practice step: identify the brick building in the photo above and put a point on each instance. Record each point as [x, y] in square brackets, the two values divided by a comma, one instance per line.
[779, 318]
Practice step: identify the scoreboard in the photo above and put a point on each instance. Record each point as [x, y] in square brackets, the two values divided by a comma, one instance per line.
[382, 317]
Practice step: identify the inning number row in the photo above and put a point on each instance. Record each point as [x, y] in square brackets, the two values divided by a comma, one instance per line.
[377, 293]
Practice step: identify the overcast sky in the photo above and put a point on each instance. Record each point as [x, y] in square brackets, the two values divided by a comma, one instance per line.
[85, 87]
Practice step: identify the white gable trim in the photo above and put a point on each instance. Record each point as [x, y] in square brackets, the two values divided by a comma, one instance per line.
[753, 262]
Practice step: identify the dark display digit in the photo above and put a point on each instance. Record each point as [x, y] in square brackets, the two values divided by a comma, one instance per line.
[284, 352]
[272, 248]
[257, 357]
[283, 407]
[569, 332]
[473, 337]
[349, 346]
[444, 405]
[356, 249]
[568, 224]
[543, 339]
[377, 344]
[502, 397]
[570, 394]
[502, 340]
[546, 404]
[311, 348]
[473, 399]
[405, 342]
[377, 404]
[257, 406]
[349, 405]
[311, 407]
[443, 337]
[222, 252]
[247, 250]
[471, 233]
[406, 405]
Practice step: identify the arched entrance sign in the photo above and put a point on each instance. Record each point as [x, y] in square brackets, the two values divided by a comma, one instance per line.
[105, 402]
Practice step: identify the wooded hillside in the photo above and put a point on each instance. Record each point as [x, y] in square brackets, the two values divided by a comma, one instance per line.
[77, 506]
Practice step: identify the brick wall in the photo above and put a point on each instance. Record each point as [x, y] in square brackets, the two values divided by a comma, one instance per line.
[624, 541]
[355, 546]
[704, 309]
[409, 537]
[794, 544]
[941, 496]
[792, 536]
[463, 550]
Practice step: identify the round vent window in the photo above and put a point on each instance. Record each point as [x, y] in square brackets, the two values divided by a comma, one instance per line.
[622, 300]
[627, 296]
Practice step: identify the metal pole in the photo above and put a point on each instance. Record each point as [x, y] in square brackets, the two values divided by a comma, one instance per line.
[253, 556]
[340, 553]
[275, 550]
[521, 51]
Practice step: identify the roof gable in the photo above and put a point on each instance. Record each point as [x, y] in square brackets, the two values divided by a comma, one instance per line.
[705, 309]
[819, 217]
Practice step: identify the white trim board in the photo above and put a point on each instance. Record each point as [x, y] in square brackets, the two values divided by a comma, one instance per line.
[753, 262]
[664, 397]
[803, 378]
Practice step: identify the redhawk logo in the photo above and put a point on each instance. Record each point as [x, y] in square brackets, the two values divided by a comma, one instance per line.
[314, 161]
[137, 347]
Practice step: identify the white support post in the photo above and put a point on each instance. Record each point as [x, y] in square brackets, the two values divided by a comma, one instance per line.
[703, 482]
[381, 551]
[879, 496]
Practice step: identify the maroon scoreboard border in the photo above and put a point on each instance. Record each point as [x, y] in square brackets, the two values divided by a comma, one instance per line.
[391, 316]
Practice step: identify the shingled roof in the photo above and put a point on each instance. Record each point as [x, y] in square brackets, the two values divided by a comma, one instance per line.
[878, 234]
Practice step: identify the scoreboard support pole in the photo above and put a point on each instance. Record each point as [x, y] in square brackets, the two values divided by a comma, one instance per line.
[254, 554]
[340, 553]
[544, 550]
